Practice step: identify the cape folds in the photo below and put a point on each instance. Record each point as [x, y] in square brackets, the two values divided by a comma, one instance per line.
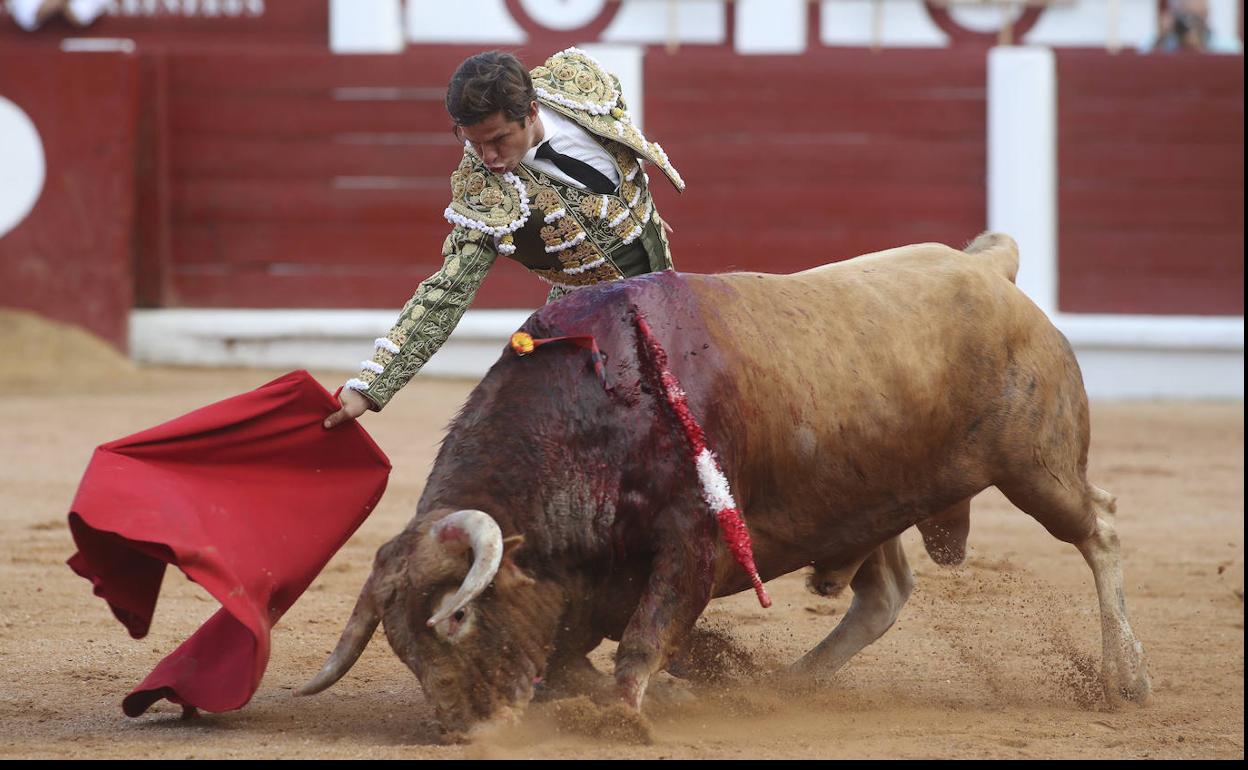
[249, 497]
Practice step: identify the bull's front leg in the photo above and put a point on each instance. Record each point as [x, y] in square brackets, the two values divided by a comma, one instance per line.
[676, 593]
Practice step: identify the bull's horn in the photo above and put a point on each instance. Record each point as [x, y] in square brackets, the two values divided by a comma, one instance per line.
[355, 637]
[477, 530]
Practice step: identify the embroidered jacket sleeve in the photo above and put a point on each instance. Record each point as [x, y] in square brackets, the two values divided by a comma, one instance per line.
[428, 317]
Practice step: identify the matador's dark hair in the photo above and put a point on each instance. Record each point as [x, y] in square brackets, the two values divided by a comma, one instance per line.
[487, 83]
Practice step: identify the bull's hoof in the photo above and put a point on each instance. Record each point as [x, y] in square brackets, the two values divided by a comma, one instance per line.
[800, 678]
[1137, 693]
[669, 691]
[630, 692]
[615, 722]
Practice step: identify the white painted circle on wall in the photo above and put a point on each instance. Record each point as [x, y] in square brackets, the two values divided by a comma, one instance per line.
[22, 167]
[985, 18]
[563, 14]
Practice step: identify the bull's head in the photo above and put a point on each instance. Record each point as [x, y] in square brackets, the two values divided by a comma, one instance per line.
[474, 628]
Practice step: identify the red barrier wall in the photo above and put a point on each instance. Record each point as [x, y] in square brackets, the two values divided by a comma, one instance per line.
[313, 180]
[291, 177]
[794, 161]
[304, 179]
[1151, 183]
[70, 258]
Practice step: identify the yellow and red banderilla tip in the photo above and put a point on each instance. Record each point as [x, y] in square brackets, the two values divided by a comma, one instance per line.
[522, 343]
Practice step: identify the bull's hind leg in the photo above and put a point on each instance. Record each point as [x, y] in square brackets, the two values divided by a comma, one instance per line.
[1124, 675]
[1086, 520]
[881, 586]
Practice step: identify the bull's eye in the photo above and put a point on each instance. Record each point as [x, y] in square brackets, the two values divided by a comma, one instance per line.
[456, 625]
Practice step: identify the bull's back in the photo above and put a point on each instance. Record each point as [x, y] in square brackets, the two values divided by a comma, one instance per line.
[914, 326]
[879, 384]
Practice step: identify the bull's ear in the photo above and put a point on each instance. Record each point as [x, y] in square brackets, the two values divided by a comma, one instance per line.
[509, 574]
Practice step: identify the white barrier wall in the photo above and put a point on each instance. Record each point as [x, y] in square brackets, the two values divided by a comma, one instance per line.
[770, 26]
[365, 26]
[1022, 163]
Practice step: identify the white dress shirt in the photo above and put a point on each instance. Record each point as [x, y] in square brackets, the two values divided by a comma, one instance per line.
[566, 137]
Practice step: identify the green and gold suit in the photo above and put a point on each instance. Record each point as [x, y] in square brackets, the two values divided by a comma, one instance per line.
[569, 237]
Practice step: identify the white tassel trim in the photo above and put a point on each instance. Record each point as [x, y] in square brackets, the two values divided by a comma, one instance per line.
[506, 248]
[585, 267]
[590, 107]
[667, 164]
[632, 236]
[552, 216]
[602, 210]
[456, 218]
[386, 344]
[632, 174]
[636, 197]
[649, 212]
[566, 244]
[614, 222]
[372, 366]
[356, 384]
[714, 484]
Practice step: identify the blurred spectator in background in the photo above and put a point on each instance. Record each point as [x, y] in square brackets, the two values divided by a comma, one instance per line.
[31, 14]
[1184, 26]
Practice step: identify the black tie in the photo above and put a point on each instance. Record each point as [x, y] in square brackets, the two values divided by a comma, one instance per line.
[579, 170]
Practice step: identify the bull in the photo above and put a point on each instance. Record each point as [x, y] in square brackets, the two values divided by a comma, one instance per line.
[845, 404]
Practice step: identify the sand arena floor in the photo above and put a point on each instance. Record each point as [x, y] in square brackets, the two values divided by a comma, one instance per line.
[991, 659]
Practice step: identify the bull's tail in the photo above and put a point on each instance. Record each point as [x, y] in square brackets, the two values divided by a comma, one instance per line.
[998, 248]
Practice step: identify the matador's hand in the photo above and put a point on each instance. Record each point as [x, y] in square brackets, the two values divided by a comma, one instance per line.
[353, 405]
[666, 227]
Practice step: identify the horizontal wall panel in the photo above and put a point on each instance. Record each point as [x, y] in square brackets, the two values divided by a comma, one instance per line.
[348, 154]
[1150, 183]
[508, 285]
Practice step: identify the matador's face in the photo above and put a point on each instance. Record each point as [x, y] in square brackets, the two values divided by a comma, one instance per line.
[502, 143]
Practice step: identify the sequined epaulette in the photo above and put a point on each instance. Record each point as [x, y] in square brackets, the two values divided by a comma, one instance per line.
[495, 204]
[573, 79]
[577, 86]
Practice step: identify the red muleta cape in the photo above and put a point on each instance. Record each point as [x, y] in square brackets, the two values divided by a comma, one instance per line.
[249, 497]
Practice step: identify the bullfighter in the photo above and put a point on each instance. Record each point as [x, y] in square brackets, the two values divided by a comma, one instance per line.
[551, 177]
